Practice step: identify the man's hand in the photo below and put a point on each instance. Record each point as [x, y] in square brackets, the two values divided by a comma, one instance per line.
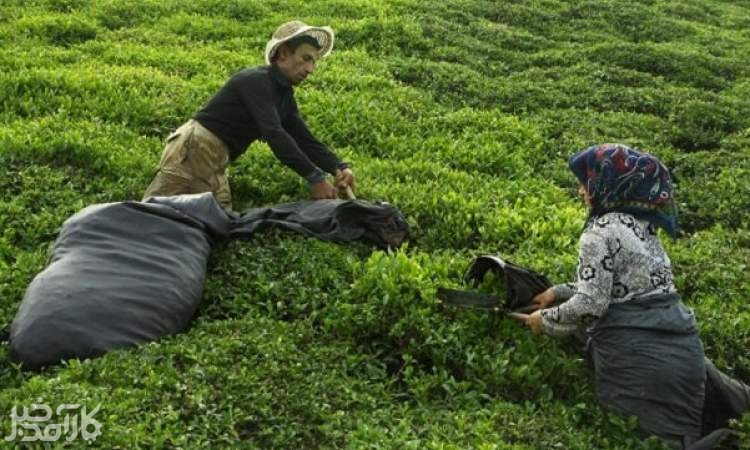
[322, 190]
[345, 178]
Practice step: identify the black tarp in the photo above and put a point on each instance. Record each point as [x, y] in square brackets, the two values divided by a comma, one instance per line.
[126, 273]
[379, 223]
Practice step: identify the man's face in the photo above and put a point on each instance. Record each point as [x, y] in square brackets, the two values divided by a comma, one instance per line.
[297, 65]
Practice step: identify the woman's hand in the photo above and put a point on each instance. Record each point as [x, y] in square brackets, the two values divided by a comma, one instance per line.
[544, 299]
[533, 320]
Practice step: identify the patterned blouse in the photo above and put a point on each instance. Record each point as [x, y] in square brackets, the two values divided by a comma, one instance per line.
[620, 258]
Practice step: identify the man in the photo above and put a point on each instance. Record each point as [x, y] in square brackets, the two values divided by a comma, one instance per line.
[256, 103]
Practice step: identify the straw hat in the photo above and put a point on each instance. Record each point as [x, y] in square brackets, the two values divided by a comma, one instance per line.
[289, 30]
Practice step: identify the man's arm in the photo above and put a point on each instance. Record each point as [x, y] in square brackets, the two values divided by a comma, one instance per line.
[256, 95]
[318, 153]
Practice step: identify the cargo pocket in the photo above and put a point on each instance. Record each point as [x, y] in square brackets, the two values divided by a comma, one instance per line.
[174, 149]
[222, 192]
[166, 183]
[196, 162]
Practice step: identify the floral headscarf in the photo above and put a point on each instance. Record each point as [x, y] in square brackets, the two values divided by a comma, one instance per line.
[618, 178]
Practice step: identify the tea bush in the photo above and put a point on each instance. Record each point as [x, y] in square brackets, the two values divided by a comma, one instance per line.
[461, 113]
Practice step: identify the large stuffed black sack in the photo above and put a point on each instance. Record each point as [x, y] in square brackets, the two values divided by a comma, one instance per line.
[126, 273]
[120, 274]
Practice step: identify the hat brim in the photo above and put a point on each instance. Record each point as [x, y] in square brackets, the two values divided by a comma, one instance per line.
[324, 36]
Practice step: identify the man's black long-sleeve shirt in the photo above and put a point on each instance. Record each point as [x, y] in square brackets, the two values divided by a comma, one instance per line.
[258, 103]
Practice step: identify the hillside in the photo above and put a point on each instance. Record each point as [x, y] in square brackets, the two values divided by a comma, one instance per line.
[462, 113]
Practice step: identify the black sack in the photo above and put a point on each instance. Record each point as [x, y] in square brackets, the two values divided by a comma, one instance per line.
[378, 223]
[522, 284]
[120, 274]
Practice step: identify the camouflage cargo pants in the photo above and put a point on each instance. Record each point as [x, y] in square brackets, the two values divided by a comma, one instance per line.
[194, 161]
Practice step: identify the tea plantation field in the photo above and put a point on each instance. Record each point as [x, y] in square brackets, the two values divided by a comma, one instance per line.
[462, 114]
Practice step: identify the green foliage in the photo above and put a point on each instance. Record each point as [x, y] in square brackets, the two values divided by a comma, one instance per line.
[743, 431]
[705, 174]
[65, 30]
[462, 113]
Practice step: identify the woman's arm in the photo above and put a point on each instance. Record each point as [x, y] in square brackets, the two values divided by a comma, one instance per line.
[590, 296]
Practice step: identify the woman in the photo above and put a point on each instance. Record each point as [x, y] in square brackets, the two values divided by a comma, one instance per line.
[643, 341]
